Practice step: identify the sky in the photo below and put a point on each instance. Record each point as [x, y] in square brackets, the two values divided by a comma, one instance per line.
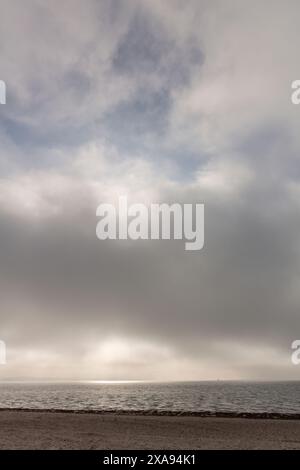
[162, 101]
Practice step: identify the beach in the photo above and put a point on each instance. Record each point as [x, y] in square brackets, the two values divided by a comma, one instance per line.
[20, 429]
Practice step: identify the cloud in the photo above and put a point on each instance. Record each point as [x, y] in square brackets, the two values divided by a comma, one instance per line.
[163, 102]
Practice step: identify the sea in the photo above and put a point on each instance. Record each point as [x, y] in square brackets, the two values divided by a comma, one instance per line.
[212, 397]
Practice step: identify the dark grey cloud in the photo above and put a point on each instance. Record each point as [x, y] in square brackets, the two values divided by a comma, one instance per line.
[236, 291]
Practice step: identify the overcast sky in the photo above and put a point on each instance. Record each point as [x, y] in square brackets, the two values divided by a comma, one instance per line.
[160, 100]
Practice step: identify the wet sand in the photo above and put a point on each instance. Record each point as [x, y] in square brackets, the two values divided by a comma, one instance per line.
[73, 430]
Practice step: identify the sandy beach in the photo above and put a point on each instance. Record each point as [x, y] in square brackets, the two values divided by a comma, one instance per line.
[61, 430]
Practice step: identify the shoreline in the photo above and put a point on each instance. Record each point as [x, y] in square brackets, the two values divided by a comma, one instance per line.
[161, 413]
[86, 430]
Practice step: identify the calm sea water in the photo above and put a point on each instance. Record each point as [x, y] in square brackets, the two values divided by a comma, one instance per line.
[280, 397]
